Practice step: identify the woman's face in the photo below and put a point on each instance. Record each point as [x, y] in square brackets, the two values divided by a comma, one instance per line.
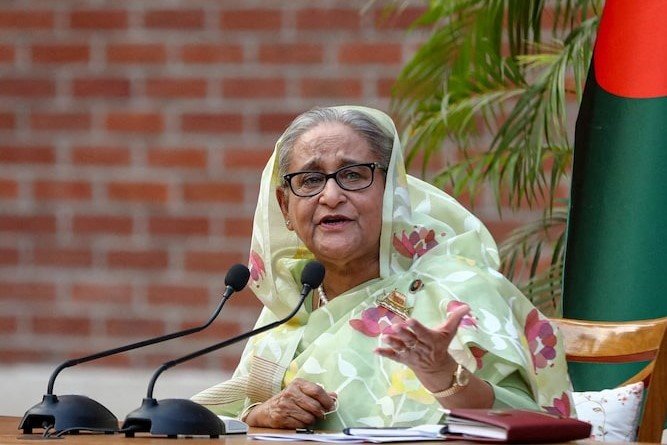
[338, 226]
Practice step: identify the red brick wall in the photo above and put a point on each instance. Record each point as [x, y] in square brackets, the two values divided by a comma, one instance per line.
[132, 135]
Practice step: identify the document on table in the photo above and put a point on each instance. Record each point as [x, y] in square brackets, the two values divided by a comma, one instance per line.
[360, 435]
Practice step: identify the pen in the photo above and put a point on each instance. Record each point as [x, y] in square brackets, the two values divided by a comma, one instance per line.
[306, 430]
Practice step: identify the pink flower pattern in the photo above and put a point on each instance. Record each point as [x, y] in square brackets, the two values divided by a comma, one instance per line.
[478, 353]
[416, 244]
[560, 407]
[256, 266]
[541, 340]
[375, 321]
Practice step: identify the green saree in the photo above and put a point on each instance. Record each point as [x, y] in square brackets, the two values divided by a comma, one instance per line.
[437, 255]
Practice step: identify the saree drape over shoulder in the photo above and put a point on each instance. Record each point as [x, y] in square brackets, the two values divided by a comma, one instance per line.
[435, 255]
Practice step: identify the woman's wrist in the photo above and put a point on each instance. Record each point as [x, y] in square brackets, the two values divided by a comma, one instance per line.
[246, 412]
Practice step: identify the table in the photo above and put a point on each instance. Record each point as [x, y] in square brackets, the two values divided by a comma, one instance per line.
[11, 435]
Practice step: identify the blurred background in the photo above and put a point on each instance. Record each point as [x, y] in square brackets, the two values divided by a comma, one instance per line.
[132, 138]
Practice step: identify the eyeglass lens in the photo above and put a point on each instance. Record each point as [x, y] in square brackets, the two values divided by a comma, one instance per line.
[355, 177]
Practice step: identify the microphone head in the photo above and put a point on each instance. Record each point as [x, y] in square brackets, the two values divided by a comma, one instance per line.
[237, 277]
[312, 274]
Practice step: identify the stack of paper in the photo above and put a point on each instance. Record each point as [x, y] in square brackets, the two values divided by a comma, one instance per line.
[510, 426]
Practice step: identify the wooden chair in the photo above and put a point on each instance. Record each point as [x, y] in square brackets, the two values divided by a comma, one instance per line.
[626, 342]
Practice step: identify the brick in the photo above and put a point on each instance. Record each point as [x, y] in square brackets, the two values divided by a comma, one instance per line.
[101, 224]
[137, 259]
[62, 190]
[178, 158]
[384, 87]
[328, 19]
[212, 123]
[370, 53]
[7, 54]
[238, 227]
[331, 88]
[399, 19]
[26, 155]
[176, 225]
[98, 19]
[138, 191]
[102, 156]
[135, 122]
[291, 53]
[9, 189]
[136, 53]
[245, 157]
[210, 261]
[31, 291]
[62, 325]
[60, 53]
[62, 257]
[178, 19]
[60, 121]
[172, 88]
[10, 355]
[28, 223]
[101, 293]
[8, 325]
[251, 20]
[246, 299]
[103, 87]
[26, 87]
[9, 256]
[7, 120]
[134, 327]
[205, 53]
[212, 192]
[178, 295]
[244, 87]
[275, 122]
[26, 19]
[220, 329]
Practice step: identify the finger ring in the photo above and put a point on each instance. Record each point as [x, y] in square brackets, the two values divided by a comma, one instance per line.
[400, 350]
[411, 346]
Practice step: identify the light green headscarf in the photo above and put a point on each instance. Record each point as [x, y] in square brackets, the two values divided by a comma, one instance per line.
[437, 255]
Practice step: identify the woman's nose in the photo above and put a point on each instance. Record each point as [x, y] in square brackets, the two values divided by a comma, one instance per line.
[332, 194]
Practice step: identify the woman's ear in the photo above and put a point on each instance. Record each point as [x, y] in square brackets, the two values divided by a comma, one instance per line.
[281, 196]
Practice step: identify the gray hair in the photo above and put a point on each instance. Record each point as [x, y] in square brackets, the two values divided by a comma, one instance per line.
[380, 140]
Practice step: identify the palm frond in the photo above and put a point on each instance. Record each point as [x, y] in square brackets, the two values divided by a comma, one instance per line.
[488, 69]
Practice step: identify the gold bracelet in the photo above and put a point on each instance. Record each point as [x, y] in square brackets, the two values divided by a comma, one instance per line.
[244, 414]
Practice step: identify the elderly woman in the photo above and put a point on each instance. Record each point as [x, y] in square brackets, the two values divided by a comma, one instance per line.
[412, 316]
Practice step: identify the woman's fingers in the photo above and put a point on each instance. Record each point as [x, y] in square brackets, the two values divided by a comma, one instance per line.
[300, 404]
[451, 324]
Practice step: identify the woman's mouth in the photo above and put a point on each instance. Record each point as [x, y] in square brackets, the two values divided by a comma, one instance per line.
[333, 220]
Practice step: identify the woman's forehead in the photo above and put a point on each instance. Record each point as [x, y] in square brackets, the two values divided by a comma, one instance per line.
[329, 144]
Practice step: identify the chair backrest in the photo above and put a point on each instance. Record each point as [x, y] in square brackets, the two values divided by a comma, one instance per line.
[626, 342]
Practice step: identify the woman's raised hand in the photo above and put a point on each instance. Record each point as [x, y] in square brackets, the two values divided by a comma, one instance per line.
[424, 350]
[299, 405]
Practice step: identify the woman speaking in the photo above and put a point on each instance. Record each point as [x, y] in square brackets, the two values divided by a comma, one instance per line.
[412, 316]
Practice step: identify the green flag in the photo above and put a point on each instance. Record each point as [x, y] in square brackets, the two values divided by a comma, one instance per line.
[616, 256]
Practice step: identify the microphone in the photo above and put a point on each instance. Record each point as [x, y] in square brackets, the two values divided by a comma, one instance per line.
[171, 417]
[76, 412]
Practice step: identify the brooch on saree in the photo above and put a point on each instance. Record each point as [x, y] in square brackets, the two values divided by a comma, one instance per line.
[396, 302]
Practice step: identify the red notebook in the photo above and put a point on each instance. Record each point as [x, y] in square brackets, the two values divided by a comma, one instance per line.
[513, 426]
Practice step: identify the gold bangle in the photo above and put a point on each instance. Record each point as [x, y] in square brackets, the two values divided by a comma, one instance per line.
[244, 414]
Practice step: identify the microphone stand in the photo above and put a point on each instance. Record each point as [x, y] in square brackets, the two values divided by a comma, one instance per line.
[172, 417]
[76, 412]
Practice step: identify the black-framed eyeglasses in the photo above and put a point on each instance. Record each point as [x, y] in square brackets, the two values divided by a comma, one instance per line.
[351, 178]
